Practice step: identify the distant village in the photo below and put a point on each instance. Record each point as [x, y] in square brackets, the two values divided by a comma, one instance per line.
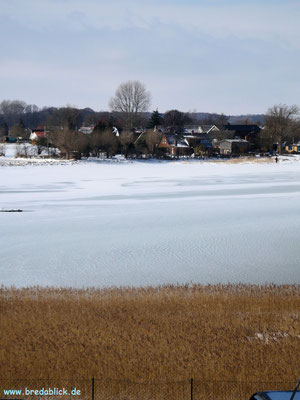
[72, 134]
[230, 140]
[197, 140]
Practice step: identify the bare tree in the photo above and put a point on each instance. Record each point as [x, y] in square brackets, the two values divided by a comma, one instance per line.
[131, 98]
[12, 107]
[18, 131]
[67, 118]
[221, 120]
[41, 144]
[12, 110]
[72, 144]
[104, 141]
[31, 108]
[126, 140]
[175, 120]
[109, 142]
[281, 123]
[152, 140]
[96, 143]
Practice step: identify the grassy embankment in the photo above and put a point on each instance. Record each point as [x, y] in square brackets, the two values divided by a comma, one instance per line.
[224, 333]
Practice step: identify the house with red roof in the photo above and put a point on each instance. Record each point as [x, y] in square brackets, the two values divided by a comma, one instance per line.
[40, 131]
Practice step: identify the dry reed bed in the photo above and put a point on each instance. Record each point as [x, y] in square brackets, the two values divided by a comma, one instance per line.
[247, 159]
[168, 333]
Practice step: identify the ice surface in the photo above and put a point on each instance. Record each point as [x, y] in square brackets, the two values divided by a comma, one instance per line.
[149, 223]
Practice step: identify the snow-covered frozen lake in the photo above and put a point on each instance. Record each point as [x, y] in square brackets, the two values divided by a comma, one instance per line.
[149, 223]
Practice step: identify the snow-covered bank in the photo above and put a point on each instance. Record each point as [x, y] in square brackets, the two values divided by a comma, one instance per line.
[11, 158]
[140, 223]
[23, 162]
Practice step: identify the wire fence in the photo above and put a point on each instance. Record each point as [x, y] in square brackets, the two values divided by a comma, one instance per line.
[99, 389]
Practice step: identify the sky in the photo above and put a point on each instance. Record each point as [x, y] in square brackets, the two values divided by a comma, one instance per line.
[230, 56]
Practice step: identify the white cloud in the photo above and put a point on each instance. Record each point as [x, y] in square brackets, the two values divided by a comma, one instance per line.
[216, 55]
[277, 22]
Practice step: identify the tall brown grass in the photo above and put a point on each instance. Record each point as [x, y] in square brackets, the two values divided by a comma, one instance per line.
[168, 333]
[250, 159]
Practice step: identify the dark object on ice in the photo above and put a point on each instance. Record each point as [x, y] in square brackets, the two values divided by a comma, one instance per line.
[278, 394]
[12, 210]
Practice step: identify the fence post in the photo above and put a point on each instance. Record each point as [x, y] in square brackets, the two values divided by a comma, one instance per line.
[192, 388]
[93, 388]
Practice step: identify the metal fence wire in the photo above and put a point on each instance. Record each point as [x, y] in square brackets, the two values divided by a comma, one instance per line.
[99, 389]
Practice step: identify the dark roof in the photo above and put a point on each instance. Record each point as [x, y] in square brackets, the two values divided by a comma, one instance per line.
[243, 128]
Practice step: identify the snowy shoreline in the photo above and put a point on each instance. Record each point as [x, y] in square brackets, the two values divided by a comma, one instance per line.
[10, 159]
[20, 162]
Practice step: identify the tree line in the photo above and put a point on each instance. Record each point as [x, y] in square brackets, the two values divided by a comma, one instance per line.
[104, 141]
[128, 110]
[128, 116]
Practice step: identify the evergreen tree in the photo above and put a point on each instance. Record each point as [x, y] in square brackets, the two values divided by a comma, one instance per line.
[155, 119]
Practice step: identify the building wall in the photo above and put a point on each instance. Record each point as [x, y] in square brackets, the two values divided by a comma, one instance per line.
[292, 149]
[233, 147]
[225, 148]
[239, 148]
